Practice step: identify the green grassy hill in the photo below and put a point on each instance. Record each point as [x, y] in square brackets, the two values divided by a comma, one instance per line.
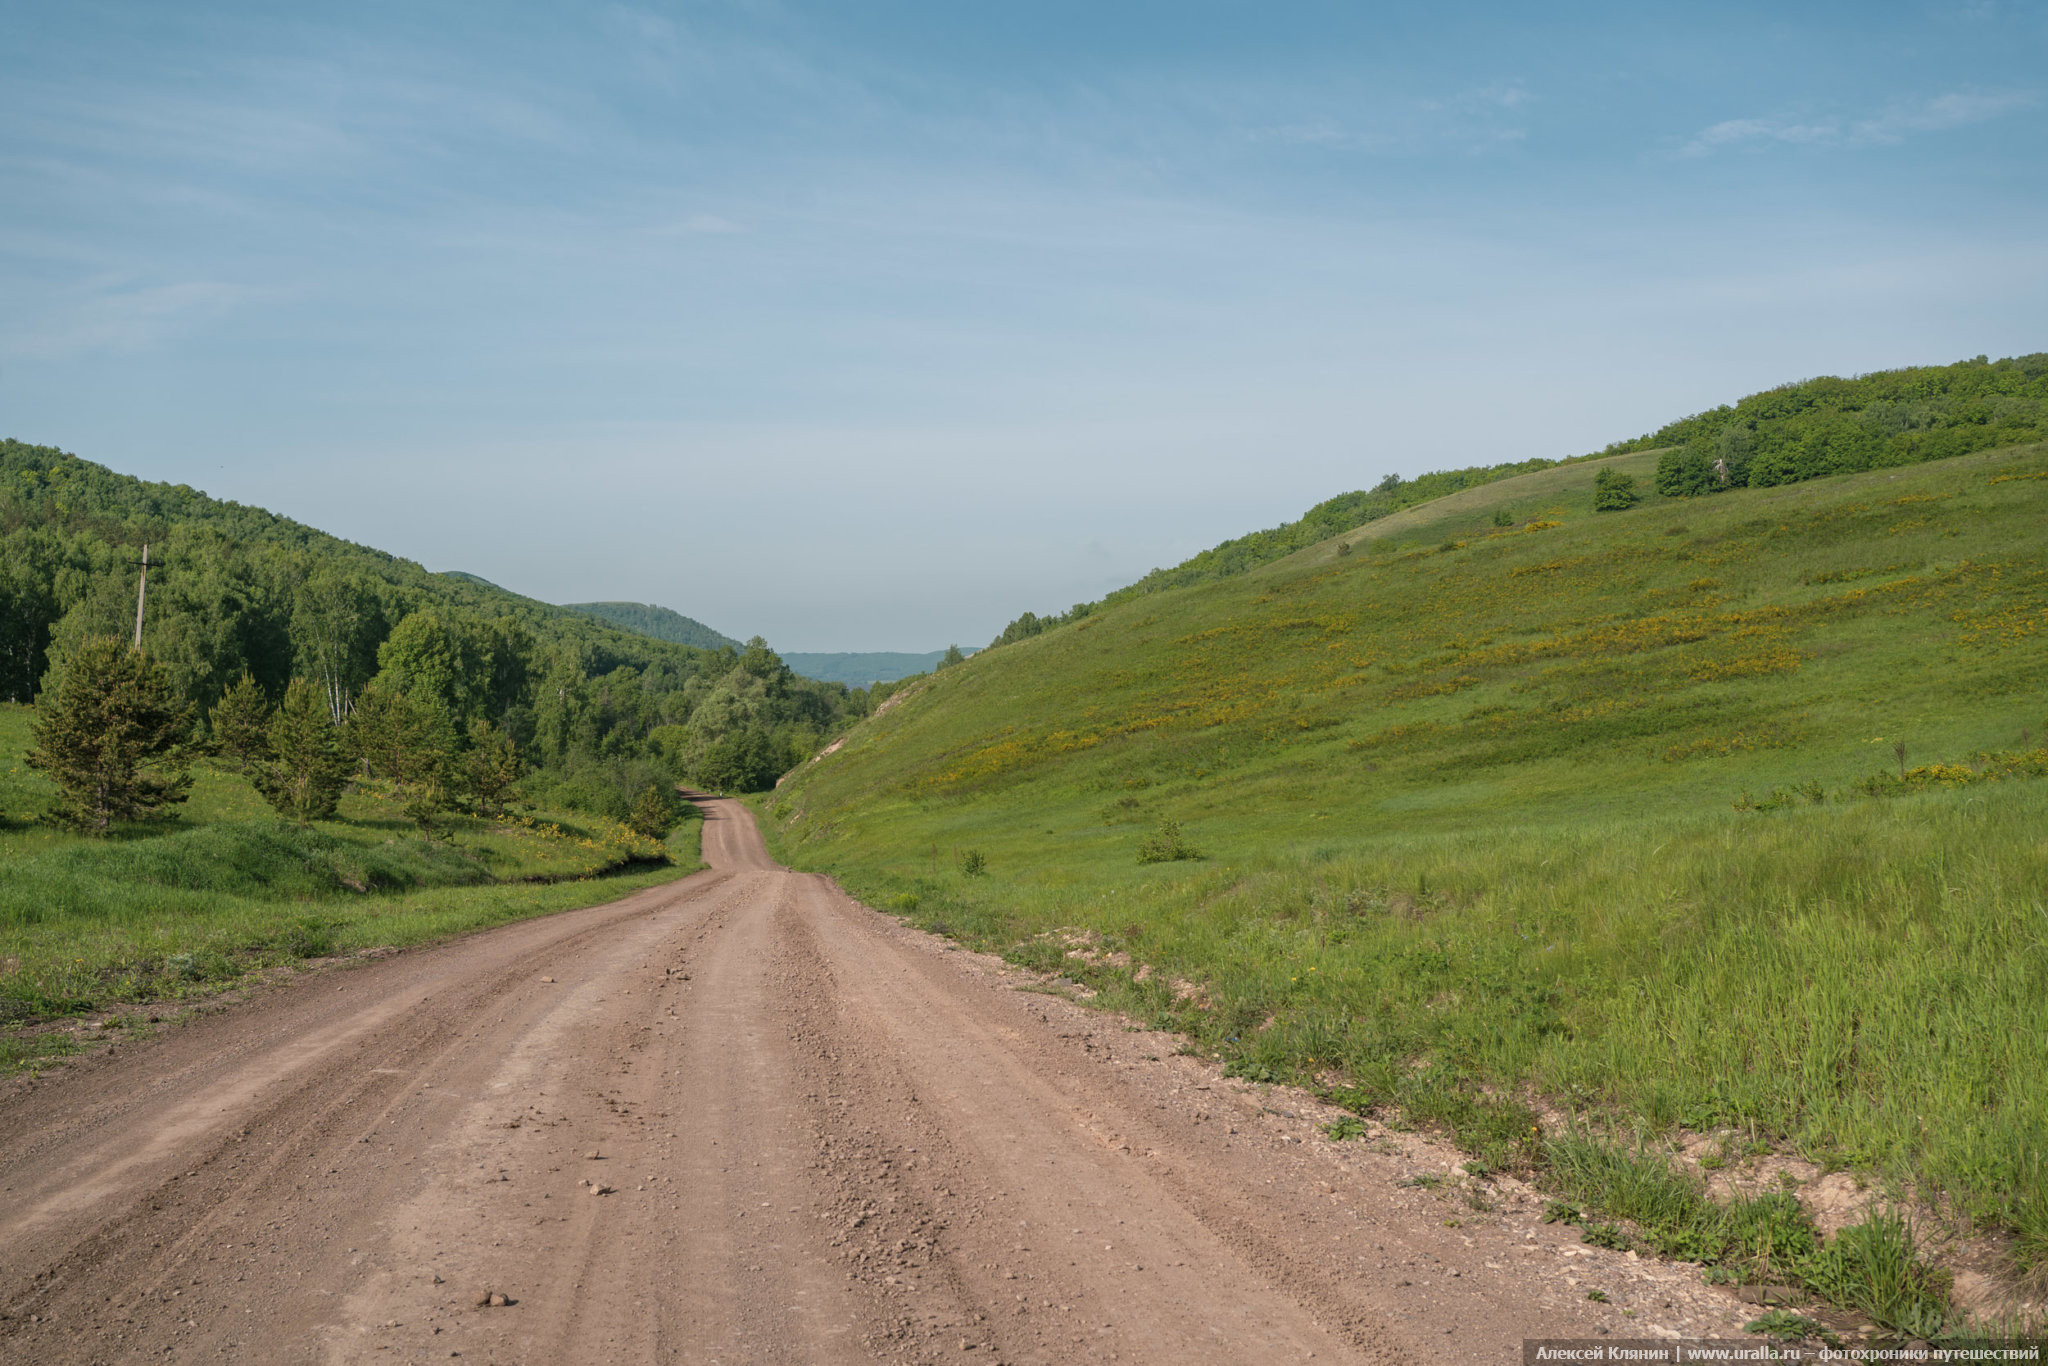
[1594, 811]
[1804, 430]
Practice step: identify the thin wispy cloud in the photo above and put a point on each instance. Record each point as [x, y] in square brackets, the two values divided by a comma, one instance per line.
[1937, 115]
[1942, 113]
[1471, 120]
[117, 318]
[1738, 132]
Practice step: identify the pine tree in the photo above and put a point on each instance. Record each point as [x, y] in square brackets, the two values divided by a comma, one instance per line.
[407, 743]
[307, 766]
[241, 724]
[491, 768]
[114, 736]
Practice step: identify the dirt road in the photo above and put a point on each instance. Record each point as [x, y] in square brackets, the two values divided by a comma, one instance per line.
[739, 1118]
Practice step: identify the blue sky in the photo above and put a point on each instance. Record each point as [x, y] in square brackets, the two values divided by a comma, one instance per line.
[868, 326]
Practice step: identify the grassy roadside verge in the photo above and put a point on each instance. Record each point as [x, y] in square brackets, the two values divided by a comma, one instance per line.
[1569, 1006]
[169, 914]
[233, 950]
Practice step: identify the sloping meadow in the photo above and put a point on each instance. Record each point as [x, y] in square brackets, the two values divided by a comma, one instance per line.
[1721, 814]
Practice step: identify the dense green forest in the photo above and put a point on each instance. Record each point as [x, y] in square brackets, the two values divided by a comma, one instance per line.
[1780, 436]
[597, 713]
[646, 619]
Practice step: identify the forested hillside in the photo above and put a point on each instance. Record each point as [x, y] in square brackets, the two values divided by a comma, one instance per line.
[597, 712]
[646, 619]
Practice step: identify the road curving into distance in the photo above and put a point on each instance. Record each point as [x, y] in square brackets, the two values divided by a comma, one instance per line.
[738, 1118]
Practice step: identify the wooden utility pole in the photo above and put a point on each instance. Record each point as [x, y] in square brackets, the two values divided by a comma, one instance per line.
[141, 590]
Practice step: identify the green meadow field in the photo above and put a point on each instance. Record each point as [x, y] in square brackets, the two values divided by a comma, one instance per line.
[1722, 814]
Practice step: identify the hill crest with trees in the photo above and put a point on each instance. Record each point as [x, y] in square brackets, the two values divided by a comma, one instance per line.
[1782, 435]
[661, 623]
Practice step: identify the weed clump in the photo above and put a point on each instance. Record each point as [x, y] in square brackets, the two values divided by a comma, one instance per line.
[307, 937]
[1987, 767]
[1787, 1326]
[1040, 955]
[1873, 1266]
[1810, 791]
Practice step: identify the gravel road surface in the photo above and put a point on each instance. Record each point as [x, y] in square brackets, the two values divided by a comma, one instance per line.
[742, 1118]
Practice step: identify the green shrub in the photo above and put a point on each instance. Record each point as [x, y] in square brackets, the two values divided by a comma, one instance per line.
[654, 814]
[1614, 491]
[1166, 845]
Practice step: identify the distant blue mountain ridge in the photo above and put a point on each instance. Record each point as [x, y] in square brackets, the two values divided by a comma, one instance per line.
[859, 668]
[856, 668]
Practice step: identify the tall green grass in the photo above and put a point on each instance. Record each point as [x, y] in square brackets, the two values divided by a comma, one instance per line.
[1874, 1265]
[196, 904]
[1864, 983]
